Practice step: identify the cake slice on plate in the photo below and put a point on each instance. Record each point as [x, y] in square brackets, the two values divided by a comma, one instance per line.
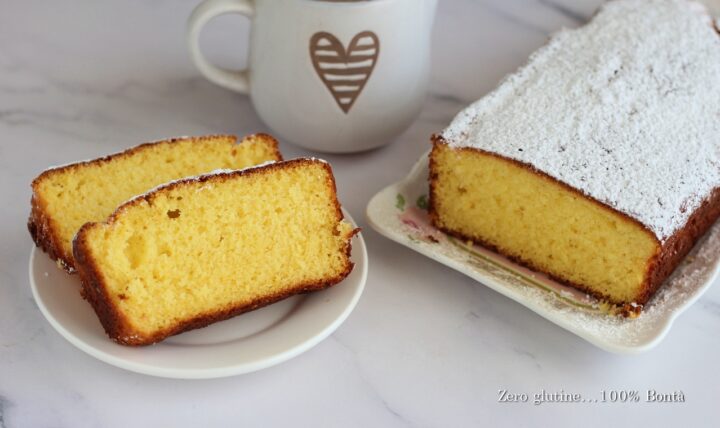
[598, 162]
[65, 198]
[204, 249]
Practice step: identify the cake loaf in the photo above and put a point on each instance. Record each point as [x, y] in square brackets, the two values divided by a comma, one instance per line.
[65, 198]
[597, 163]
[204, 249]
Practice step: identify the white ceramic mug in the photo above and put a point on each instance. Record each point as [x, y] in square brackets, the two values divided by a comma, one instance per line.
[333, 76]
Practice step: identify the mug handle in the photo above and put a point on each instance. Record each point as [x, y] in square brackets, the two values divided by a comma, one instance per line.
[236, 80]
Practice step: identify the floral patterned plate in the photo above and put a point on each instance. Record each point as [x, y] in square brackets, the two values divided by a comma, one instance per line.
[399, 212]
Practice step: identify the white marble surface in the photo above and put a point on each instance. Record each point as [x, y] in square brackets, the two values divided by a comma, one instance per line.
[425, 347]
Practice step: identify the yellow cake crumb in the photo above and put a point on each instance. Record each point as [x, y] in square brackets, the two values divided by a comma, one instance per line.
[66, 198]
[540, 222]
[202, 250]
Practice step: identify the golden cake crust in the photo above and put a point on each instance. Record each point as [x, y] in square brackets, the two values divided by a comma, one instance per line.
[659, 267]
[42, 229]
[44, 233]
[117, 327]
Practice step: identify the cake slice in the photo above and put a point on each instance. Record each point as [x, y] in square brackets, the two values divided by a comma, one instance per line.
[205, 249]
[598, 162]
[65, 198]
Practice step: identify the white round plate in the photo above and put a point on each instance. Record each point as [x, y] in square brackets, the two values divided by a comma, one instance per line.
[243, 344]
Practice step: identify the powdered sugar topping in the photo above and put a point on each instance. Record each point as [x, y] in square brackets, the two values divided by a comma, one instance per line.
[625, 109]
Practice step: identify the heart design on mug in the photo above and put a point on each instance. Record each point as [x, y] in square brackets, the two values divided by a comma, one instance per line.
[344, 71]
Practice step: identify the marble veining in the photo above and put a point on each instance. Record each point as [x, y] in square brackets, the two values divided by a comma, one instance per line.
[4, 404]
[712, 306]
[368, 384]
[425, 347]
[566, 10]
